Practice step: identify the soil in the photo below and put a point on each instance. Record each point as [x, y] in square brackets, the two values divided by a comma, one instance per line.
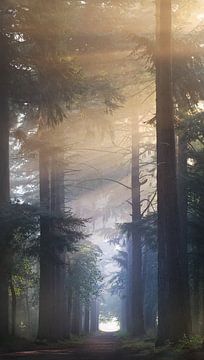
[103, 347]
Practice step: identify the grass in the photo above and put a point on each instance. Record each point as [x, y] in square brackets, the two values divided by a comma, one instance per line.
[188, 348]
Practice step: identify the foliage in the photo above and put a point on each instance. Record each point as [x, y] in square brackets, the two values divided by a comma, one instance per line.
[20, 246]
[187, 67]
[147, 226]
[84, 272]
[41, 80]
[193, 342]
[119, 280]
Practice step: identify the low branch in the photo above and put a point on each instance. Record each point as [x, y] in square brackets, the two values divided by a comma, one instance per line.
[150, 203]
[107, 179]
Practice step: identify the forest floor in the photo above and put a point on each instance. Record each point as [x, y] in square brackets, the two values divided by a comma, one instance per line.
[108, 347]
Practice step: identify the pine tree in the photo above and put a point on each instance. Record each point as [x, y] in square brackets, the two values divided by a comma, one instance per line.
[171, 317]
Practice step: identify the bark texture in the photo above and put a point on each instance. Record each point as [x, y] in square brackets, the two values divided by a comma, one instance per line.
[137, 318]
[4, 182]
[171, 316]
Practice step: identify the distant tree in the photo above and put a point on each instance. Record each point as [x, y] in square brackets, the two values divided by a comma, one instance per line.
[84, 277]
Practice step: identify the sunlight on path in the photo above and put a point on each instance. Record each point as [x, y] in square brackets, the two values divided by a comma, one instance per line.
[109, 326]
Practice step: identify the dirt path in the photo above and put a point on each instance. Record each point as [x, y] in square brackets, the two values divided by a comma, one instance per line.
[101, 347]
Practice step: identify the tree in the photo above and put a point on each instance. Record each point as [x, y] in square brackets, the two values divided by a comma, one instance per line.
[171, 318]
[22, 66]
[4, 167]
[137, 295]
[20, 223]
[84, 277]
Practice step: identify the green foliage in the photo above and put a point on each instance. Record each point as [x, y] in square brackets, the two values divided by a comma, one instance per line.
[187, 67]
[110, 307]
[193, 342]
[119, 280]
[147, 226]
[25, 276]
[84, 272]
[65, 232]
[19, 225]
[20, 245]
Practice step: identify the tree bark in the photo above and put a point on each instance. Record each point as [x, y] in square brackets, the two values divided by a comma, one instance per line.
[129, 286]
[123, 313]
[13, 307]
[76, 316]
[46, 273]
[183, 210]
[57, 209]
[4, 181]
[171, 317]
[69, 306]
[137, 328]
[94, 317]
[196, 296]
[87, 318]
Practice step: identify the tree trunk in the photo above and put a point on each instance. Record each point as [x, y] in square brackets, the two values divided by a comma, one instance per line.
[150, 288]
[76, 316]
[87, 319]
[137, 328]
[183, 210]
[28, 314]
[202, 303]
[4, 181]
[57, 209]
[129, 286]
[13, 307]
[69, 307]
[171, 317]
[46, 261]
[94, 317]
[196, 306]
[123, 314]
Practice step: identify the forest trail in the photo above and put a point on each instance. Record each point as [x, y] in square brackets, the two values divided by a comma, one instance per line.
[102, 347]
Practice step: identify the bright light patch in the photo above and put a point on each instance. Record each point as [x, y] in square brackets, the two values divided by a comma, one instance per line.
[200, 16]
[109, 326]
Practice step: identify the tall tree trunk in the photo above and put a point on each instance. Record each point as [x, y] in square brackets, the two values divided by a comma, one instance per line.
[202, 303]
[13, 307]
[129, 286]
[57, 209]
[171, 317]
[69, 304]
[87, 318]
[196, 305]
[150, 291]
[137, 328]
[123, 313]
[183, 210]
[94, 317]
[76, 315]
[28, 314]
[46, 260]
[4, 181]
